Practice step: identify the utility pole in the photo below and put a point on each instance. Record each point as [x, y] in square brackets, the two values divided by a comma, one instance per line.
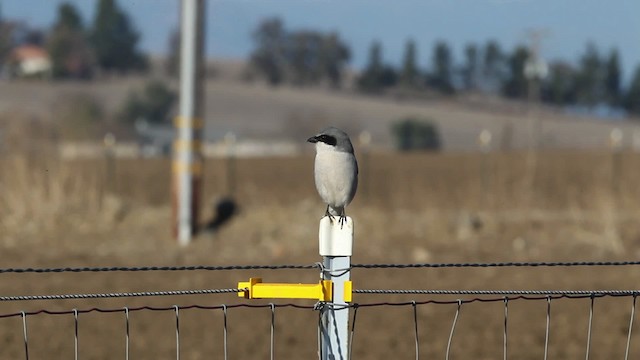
[187, 155]
[535, 71]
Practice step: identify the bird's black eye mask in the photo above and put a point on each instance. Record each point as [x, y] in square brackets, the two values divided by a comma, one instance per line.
[327, 139]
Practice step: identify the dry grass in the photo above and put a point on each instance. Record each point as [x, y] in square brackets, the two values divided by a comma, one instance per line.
[409, 208]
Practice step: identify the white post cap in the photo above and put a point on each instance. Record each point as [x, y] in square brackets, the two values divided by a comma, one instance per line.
[336, 239]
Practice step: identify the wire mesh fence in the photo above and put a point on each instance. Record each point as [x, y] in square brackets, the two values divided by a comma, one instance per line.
[410, 323]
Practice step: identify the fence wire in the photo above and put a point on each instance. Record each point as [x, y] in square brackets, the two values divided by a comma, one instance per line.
[427, 296]
[314, 266]
[176, 309]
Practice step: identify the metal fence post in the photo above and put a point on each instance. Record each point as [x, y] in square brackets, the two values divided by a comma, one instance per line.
[336, 244]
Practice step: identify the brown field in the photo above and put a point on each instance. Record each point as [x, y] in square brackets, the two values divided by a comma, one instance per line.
[556, 206]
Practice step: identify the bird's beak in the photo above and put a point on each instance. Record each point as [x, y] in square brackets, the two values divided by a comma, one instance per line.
[313, 139]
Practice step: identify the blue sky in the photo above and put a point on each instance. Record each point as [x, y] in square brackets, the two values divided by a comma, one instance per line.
[571, 23]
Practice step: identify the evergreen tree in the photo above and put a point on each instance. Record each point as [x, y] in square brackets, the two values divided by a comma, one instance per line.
[589, 80]
[370, 79]
[442, 68]
[516, 84]
[632, 97]
[559, 87]
[6, 41]
[67, 45]
[612, 78]
[409, 74]
[492, 65]
[115, 39]
[471, 67]
[172, 61]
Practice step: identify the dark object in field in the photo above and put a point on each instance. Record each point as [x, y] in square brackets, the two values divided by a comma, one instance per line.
[224, 209]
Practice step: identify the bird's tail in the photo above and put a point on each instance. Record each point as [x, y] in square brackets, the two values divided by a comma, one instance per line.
[335, 211]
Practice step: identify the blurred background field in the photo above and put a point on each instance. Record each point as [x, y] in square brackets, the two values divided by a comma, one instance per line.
[485, 145]
[410, 208]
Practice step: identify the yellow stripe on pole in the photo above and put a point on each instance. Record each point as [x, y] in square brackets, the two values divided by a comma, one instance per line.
[184, 145]
[183, 122]
[179, 167]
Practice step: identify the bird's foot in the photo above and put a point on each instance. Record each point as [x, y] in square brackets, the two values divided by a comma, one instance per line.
[331, 217]
[342, 220]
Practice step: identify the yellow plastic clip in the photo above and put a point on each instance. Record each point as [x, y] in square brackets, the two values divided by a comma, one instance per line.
[255, 289]
[348, 291]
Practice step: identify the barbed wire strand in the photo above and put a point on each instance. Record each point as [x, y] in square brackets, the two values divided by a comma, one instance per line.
[157, 268]
[353, 330]
[590, 326]
[497, 292]
[126, 338]
[177, 308]
[505, 333]
[24, 333]
[75, 328]
[633, 312]
[415, 329]
[273, 329]
[453, 329]
[547, 329]
[119, 294]
[224, 331]
[496, 264]
[315, 266]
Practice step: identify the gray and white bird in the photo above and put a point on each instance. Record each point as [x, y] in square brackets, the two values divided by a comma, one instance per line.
[335, 170]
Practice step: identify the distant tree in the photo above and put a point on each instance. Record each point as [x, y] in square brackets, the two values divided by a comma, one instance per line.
[441, 77]
[154, 105]
[6, 41]
[376, 76]
[115, 39]
[516, 84]
[69, 17]
[632, 96]
[409, 75]
[302, 58]
[33, 37]
[471, 68]
[492, 66]
[589, 80]
[172, 61]
[334, 55]
[269, 56]
[67, 45]
[415, 134]
[371, 77]
[559, 87]
[613, 78]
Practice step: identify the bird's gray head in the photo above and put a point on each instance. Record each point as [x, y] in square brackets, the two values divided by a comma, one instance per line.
[335, 138]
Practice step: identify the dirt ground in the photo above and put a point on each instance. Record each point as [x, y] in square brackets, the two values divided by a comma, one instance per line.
[560, 206]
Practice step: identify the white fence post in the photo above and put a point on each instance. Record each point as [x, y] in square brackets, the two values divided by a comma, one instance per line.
[336, 244]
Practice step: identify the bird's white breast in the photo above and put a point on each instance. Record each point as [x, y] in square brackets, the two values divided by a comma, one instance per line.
[335, 175]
